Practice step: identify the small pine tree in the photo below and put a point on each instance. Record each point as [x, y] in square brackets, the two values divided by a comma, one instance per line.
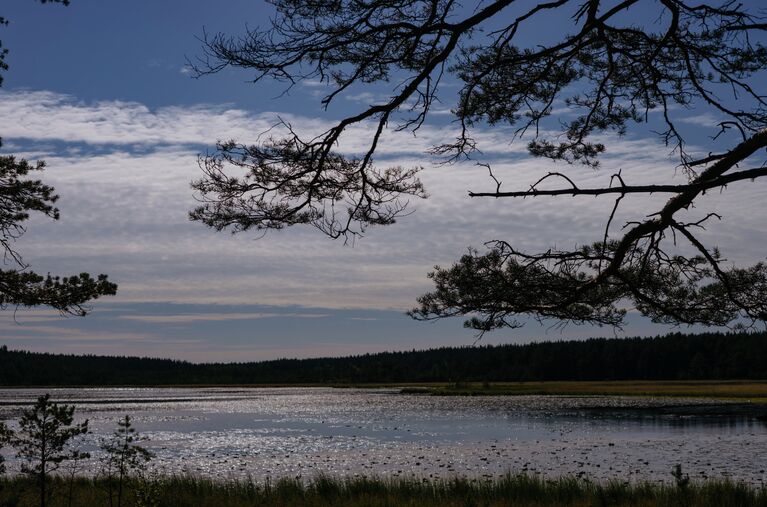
[5, 436]
[45, 430]
[124, 456]
[682, 479]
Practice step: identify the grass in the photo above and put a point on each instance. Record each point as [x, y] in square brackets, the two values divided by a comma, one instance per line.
[754, 391]
[512, 490]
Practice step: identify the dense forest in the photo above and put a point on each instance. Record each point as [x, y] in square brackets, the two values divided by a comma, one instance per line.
[675, 356]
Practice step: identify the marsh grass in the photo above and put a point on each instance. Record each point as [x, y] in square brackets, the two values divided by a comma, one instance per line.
[754, 391]
[322, 491]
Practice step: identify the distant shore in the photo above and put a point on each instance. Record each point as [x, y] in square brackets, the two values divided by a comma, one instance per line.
[706, 357]
[754, 391]
[750, 391]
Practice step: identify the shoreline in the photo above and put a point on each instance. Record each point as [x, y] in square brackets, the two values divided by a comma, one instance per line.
[755, 391]
[520, 490]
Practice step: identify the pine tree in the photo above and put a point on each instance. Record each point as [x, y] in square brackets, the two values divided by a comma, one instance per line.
[43, 440]
[124, 456]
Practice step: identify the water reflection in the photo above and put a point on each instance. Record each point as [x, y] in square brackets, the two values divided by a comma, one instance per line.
[675, 418]
[302, 432]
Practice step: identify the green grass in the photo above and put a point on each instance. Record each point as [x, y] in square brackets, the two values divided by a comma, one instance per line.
[754, 391]
[517, 491]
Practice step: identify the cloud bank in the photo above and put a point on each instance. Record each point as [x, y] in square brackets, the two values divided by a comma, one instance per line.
[123, 173]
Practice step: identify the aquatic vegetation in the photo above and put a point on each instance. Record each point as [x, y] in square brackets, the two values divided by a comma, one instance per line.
[511, 490]
[285, 432]
[752, 391]
[380, 476]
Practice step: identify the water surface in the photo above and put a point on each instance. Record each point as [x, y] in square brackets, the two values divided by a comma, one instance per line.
[301, 432]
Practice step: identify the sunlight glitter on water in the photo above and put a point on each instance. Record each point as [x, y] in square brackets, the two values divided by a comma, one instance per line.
[235, 432]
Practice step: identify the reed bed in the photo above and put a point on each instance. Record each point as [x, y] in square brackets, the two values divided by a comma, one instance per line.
[512, 490]
[753, 391]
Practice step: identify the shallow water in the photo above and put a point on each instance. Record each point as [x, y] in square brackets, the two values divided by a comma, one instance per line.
[278, 432]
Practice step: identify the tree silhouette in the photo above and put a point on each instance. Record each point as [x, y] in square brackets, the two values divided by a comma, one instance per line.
[5, 437]
[20, 196]
[45, 430]
[618, 64]
[124, 456]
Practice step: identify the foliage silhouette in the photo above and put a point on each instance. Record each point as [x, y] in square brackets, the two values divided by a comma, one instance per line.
[75, 464]
[616, 65]
[457, 491]
[43, 440]
[5, 436]
[20, 196]
[681, 479]
[124, 456]
[709, 356]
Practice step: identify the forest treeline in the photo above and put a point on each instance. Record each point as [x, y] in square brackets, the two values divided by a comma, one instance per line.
[675, 356]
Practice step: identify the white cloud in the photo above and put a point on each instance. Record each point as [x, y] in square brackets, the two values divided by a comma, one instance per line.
[364, 97]
[708, 120]
[46, 116]
[314, 83]
[186, 318]
[125, 213]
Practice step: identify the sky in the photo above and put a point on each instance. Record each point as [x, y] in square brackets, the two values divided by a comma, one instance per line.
[101, 91]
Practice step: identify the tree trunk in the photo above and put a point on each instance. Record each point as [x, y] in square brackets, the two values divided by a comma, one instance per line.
[43, 463]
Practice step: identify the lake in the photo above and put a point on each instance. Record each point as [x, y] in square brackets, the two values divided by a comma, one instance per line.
[292, 432]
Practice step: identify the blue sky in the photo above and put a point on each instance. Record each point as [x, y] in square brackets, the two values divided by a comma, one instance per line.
[100, 90]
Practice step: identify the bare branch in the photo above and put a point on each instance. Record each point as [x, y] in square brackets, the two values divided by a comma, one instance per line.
[698, 186]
